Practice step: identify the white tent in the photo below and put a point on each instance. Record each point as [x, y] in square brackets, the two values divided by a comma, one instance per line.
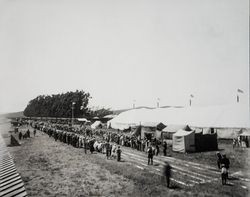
[225, 116]
[96, 124]
[173, 128]
[169, 130]
[184, 141]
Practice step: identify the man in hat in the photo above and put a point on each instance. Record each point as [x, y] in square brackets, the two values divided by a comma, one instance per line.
[28, 133]
[150, 155]
[119, 151]
[165, 148]
[20, 135]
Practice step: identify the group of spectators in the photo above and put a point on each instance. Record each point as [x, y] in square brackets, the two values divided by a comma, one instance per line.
[240, 142]
[85, 137]
[88, 139]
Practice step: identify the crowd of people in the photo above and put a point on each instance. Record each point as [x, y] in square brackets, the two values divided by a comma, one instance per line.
[97, 140]
[240, 142]
[110, 143]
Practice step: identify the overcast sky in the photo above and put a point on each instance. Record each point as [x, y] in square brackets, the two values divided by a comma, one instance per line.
[120, 51]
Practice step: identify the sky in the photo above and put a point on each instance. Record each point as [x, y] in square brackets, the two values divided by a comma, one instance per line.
[125, 52]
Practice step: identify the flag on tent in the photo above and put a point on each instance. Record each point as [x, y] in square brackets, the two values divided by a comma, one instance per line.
[240, 91]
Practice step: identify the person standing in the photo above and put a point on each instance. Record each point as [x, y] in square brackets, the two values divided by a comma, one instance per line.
[20, 135]
[219, 158]
[91, 146]
[150, 155]
[107, 150]
[119, 151]
[157, 149]
[143, 145]
[167, 172]
[165, 148]
[85, 145]
[110, 149]
[34, 132]
[28, 133]
[225, 161]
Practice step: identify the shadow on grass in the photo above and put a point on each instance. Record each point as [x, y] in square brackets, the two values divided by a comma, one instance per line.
[233, 178]
[175, 187]
[10, 145]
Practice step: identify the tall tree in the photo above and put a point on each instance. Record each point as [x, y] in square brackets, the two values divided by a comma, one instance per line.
[59, 105]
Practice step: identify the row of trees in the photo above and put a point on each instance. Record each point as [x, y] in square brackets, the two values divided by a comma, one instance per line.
[60, 105]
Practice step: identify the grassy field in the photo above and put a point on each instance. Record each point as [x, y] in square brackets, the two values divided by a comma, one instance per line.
[52, 168]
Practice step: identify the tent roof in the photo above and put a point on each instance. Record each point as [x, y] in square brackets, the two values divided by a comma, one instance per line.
[151, 124]
[182, 132]
[225, 116]
[173, 128]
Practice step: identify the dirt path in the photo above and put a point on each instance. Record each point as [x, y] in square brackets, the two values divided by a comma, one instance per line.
[186, 173]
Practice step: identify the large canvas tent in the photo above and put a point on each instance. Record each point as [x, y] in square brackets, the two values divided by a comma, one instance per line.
[219, 117]
[184, 141]
[169, 130]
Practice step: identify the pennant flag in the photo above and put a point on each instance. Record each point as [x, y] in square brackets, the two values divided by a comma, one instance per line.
[240, 91]
[192, 96]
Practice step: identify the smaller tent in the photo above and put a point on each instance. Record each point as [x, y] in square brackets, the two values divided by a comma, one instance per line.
[184, 141]
[167, 132]
[96, 124]
[206, 140]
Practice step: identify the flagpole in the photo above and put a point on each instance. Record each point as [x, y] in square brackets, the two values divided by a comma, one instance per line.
[239, 91]
[158, 103]
[190, 99]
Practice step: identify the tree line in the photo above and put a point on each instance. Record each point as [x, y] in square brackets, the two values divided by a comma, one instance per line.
[60, 105]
